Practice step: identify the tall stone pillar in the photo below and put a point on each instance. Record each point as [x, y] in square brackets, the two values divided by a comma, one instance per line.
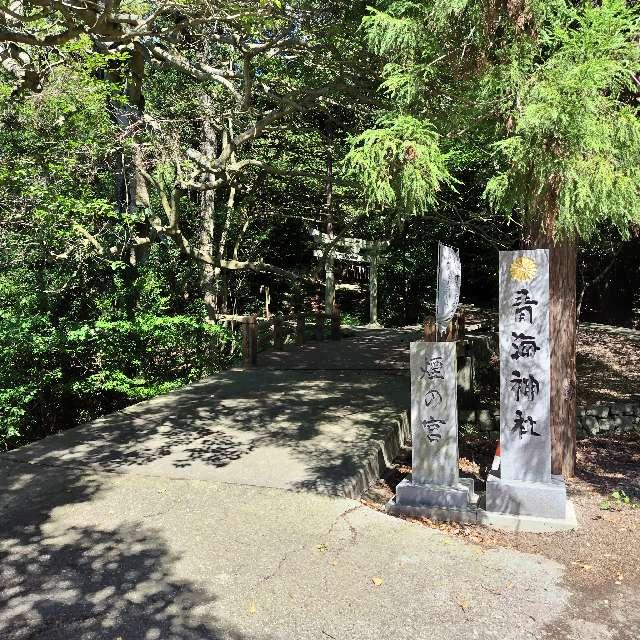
[525, 485]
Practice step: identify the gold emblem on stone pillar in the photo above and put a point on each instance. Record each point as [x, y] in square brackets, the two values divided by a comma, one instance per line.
[523, 269]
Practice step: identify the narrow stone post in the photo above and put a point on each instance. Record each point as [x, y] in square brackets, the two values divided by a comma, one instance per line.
[267, 302]
[300, 327]
[319, 325]
[373, 287]
[335, 324]
[250, 341]
[278, 333]
[330, 283]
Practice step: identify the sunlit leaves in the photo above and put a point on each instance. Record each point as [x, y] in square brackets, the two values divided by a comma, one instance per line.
[399, 164]
[573, 134]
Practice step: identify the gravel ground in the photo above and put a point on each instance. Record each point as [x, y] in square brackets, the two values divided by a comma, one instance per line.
[608, 367]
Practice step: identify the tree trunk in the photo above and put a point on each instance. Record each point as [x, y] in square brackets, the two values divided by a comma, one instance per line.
[208, 274]
[563, 333]
[208, 271]
[330, 281]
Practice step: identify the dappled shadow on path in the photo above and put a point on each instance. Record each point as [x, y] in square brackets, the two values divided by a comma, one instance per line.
[88, 582]
[325, 421]
[366, 349]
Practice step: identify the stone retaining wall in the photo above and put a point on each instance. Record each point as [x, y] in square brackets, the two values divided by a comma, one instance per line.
[608, 417]
[601, 418]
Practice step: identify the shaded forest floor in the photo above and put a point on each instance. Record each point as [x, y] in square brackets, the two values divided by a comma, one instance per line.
[608, 366]
[607, 359]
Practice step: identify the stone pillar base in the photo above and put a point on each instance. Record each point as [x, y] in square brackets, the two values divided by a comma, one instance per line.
[436, 502]
[412, 494]
[524, 498]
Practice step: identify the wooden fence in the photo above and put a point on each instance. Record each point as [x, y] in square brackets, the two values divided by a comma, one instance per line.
[275, 332]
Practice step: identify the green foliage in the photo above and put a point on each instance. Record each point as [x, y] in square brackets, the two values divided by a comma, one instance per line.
[616, 500]
[351, 319]
[399, 164]
[544, 87]
[575, 142]
[52, 376]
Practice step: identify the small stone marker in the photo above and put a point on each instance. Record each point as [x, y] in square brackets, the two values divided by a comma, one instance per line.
[435, 483]
[525, 485]
[250, 341]
[300, 327]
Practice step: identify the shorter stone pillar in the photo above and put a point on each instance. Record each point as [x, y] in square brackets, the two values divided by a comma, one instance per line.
[250, 341]
[435, 488]
[300, 327]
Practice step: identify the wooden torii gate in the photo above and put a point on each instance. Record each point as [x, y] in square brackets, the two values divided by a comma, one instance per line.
[350, 250]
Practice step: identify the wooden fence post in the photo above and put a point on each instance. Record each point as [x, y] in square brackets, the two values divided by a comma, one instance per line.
[250, 341]
[319, 325]
[300, 326]
[452, 329]
[461, 325]
[430, 329]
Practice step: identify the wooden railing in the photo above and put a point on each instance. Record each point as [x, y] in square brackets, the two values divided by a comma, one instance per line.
[259, 334]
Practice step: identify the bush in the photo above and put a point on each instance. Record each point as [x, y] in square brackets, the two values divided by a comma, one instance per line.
[55, 377]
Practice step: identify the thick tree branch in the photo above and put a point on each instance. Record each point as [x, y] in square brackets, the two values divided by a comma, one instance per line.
[199, 71]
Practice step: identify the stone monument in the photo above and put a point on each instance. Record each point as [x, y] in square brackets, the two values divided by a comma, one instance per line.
[524, 485]
[435, 488]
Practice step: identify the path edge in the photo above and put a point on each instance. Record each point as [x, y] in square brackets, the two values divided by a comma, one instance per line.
[380, 459]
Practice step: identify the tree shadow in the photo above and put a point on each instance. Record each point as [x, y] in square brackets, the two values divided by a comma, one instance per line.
[106, 582]
[603, 382]
[311, 417]
[609, 463]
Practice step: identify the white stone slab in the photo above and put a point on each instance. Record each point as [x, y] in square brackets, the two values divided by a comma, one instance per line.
[434, 413]
[525, 498]
[408, 493]
[531, 524]
[525, 435]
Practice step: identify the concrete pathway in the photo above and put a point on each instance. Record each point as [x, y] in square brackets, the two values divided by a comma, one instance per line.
[321, 418]
[109, 556]
[200, 515]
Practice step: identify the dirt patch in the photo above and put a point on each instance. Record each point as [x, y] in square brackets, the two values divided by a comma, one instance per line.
[601, 558]
[608, 367]
[607, 361]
